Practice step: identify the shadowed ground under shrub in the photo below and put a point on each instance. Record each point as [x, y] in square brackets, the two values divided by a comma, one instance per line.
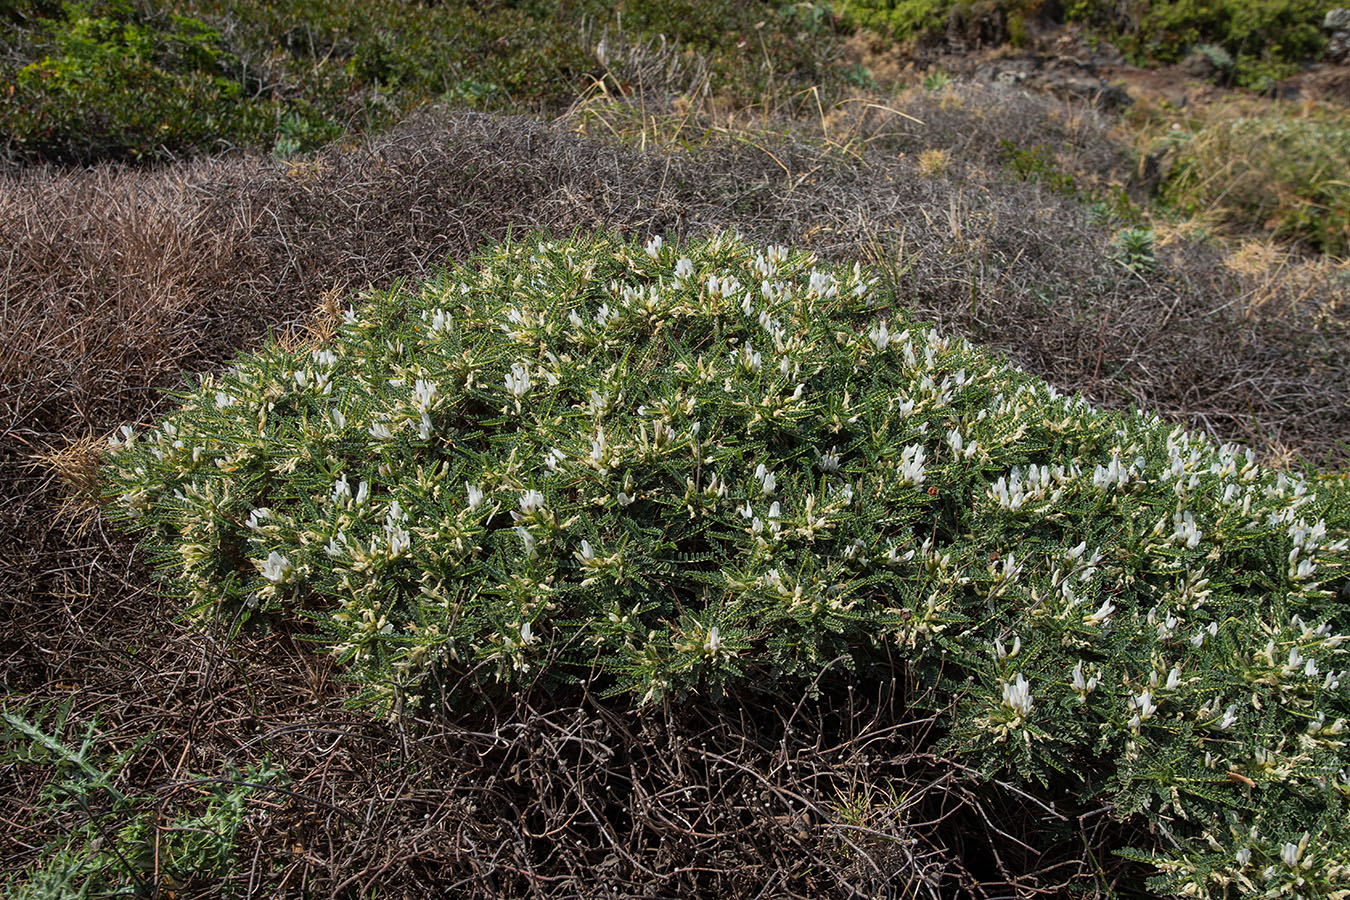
[115, 280]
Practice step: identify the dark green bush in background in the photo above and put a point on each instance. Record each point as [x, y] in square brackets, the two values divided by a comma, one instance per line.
[145, 79]
[1267, 39]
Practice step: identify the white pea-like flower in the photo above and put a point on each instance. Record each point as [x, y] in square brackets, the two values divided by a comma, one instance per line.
[912, 464]
[530, 501]
[518, 380]
[713, 643]
[767, 480]
[1102, 615]
[880, 336]
[1082, 684]
[653, 248]
[380, 431]
[821, 285]
[1291, 853]
[276, 568]
[424, 395]
[399, 541]
[894, 557]
[1017, 696]
[1185, 530]
[960, 446]
[527, 539]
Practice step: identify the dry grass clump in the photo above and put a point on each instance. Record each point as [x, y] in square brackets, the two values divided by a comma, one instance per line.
[1255, 167]
[116, 280]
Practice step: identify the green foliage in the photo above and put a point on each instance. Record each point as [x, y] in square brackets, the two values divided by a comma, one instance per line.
[107, 79]
[113, 83]
[679, 471]
[905, 20]
[1218, 57]
[936, 80]
[1264, 39]
[1038, 164]
[1284, 171]
[1134, 248]
[118, 844]
[1106, 205]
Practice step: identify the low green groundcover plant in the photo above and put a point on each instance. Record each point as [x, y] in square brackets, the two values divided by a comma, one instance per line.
[115, 842]
[678, 471]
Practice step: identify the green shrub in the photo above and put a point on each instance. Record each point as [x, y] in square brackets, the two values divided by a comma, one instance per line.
[676, 472]
[1133, 248]
[1267, 39]
[1264, 39]
[113, 84]
[904, 20]
[115, 79]
[117, 843]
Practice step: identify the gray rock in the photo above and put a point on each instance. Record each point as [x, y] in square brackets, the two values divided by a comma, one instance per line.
[1338, 48]
[1337, 20]
[1198, 65]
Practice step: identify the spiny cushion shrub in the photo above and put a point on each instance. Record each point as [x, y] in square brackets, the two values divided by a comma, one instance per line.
[681, 471]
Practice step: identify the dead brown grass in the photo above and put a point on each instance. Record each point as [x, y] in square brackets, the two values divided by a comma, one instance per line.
[117, 280]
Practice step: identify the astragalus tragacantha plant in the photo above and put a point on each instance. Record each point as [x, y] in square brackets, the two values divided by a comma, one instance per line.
[681, 470]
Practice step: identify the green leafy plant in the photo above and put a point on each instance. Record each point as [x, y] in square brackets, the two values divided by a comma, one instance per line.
[1134, 248]
[936, 80]
[114, 84]
[681, 471]
[1218, 57]
[118, 843]
[1038, 164]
